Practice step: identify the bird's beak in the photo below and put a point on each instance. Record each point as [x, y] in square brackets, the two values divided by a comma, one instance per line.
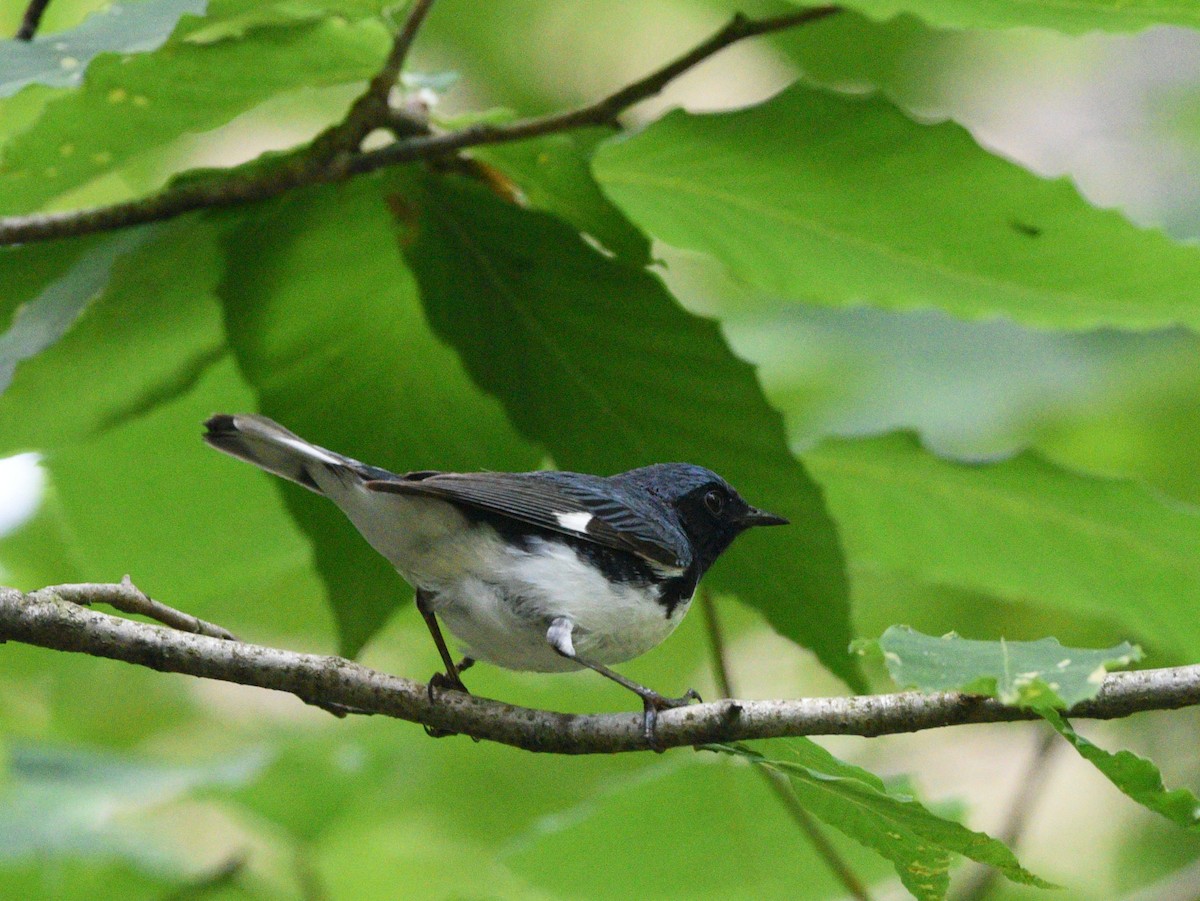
[756, 517]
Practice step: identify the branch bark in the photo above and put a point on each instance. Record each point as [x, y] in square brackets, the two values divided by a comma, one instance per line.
[31, 20]
[49, 621]
[320, 165]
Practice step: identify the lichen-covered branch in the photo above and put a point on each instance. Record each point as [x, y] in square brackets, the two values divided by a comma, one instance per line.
[50, 621]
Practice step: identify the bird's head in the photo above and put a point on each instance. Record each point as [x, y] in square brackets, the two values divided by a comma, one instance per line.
[709, 510]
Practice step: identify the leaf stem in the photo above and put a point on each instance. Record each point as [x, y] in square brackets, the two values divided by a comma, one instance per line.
[777, 782]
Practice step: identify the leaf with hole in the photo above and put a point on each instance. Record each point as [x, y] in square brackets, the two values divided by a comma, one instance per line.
[1035, 674]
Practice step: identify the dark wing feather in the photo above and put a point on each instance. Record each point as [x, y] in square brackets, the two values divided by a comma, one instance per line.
[542, 498]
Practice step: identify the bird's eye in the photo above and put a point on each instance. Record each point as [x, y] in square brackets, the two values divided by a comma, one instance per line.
[715, 501]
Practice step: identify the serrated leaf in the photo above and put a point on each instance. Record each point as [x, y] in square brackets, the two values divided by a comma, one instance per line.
[1136, 776]
[1023, 530]
[819, 198]
[595, 360]
[1076, 17]
[1035, 674]
[60, 59]
[324, 318]
[131, 104]
[897, 826]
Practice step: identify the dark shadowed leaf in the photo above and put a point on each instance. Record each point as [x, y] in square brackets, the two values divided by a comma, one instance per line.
[324, 319]
[594, 359]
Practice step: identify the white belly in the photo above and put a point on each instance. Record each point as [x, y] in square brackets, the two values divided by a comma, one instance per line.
[613, 623]
[499, 600]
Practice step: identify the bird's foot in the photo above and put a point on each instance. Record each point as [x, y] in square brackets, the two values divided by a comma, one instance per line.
[652, 703]
[440, 682]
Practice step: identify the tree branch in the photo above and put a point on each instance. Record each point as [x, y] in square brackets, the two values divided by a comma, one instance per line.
[371, 110]
[319, 165]
[31, 20]
[49, 621]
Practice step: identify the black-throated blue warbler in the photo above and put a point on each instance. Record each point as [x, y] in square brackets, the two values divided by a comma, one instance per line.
[542, 571]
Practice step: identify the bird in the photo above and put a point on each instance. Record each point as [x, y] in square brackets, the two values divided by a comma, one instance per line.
[545, 571]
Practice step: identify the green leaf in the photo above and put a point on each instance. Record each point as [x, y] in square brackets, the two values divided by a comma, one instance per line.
[1033, 674]
[1076, 17]
[1023, 530]
[554, 175]
[134, 488]
[754, 853]
[818, 198]
[917, 842]
[327, 328]
[62, 801]
[129, 105]
[60, 59]
[46, 318]
[147, 497]
[595, 360]
[147, 337]
[1136, 776]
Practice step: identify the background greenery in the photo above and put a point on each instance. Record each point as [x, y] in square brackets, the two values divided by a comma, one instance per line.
[866, 295]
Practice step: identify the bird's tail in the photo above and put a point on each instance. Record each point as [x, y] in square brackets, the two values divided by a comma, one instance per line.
[269, 446]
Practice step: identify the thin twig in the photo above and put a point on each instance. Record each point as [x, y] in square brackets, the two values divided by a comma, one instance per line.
[32, 19]
[371, 110]
[319, 166]
[1029, 789]
[778, 782]
[602, 112]
[128, 598]
[48, 621]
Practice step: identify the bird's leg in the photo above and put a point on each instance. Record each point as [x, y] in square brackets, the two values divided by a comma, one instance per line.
[559, 637]
[450, 678]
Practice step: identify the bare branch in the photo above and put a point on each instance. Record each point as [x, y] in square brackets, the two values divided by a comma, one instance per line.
[319, 165]
[128, 598]
[371, 111]
[602, 112]
[50, 622]
[31, 20]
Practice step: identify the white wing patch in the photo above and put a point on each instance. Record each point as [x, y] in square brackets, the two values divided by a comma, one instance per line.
[576, 522]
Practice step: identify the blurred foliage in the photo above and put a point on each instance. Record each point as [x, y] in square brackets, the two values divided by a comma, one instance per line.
[593, 301]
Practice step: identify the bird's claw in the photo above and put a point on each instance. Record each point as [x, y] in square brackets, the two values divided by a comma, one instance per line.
[652, 703]
[439, 682]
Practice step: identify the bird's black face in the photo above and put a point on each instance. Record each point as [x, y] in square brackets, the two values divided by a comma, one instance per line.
[713, 514]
